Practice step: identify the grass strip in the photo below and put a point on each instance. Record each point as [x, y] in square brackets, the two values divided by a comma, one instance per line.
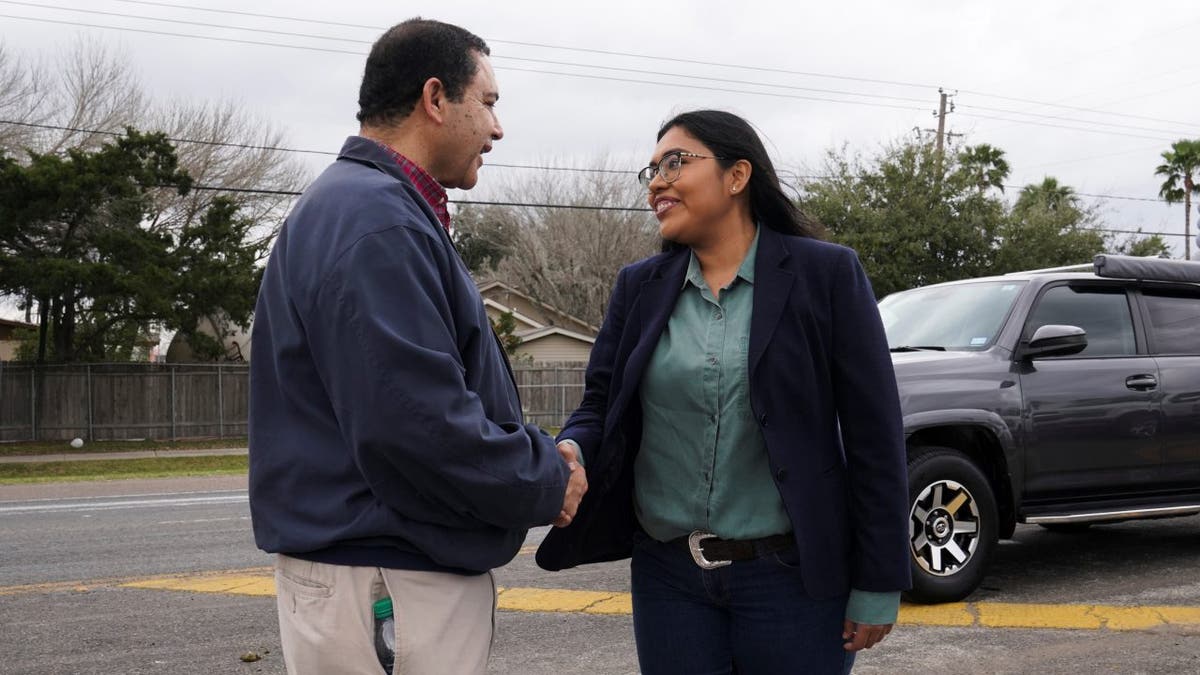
[100, 469]
[97, 447]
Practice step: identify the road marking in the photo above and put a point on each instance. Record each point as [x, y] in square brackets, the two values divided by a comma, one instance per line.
[108, 504]
[260, 582]
[201, 520]
[115, 582]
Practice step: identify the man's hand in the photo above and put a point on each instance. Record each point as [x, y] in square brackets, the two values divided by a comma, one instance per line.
[576, 487]
[859, 636]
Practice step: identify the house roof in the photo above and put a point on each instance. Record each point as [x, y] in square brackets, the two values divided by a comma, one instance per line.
[548, 331]
[16, 324]
[579, 323]
[533, 324]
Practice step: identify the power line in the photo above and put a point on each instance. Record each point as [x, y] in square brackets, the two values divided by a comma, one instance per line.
[575, 75]
[674, 60]
[496, 57]
[1094, 111]
[560, 73]
[507, 68]
[464, 202]
[248, 146]
[1064, 126]
[535, 167]
[539, 45]
[1071, 119]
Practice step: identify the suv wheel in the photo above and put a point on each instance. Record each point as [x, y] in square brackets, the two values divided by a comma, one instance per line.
[953, 524]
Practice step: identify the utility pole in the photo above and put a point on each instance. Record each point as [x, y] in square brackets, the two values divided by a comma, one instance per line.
[941, 117]
[945, 107]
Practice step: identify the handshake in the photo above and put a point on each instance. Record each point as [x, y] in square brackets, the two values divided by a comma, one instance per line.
[577, 485]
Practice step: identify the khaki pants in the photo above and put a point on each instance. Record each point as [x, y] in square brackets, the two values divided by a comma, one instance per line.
[444, 622]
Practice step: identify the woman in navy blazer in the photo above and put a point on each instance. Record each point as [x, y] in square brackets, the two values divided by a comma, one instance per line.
[822, 411]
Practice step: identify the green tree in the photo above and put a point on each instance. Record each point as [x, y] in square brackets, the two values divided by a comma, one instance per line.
[76, 238]
[482, 239]
[71, 238]
[984, 166]
[912, 222]
[1048, 226]
[1145, 246]
[217, 276]
[1180, 167]
[505, 328]
[1049, 193]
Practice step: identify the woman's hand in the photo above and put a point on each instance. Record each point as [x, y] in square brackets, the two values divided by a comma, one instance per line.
[576, 487]
[860, 636]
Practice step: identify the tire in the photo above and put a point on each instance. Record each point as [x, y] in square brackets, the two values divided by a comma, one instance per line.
[953, 525]
[1066, 528]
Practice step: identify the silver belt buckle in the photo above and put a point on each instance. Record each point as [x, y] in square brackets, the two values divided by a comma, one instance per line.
[694, 540]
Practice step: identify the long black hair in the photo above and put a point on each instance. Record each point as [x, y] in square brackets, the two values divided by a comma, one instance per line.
[732, 138]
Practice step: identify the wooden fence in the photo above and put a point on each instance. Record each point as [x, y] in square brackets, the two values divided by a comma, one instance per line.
[168, 401]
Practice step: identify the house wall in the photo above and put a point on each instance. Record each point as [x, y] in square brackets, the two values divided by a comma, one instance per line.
[555, 349]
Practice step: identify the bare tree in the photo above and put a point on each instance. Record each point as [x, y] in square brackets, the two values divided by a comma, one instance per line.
[22, 99]
[569, 258]
[93, 92]
[227, 147]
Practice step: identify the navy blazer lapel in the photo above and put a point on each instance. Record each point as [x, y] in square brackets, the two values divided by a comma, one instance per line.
[655, 301]
[772, 286]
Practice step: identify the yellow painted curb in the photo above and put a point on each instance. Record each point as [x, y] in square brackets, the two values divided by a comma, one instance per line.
[260, 582]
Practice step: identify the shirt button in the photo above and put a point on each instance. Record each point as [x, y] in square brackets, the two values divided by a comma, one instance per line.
[712, 360]
[718, 316]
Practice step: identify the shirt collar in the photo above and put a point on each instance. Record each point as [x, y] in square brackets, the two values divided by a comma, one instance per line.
[430, 189]
[745, 272]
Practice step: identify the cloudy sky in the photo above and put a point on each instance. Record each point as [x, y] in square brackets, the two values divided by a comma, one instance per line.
[1090, 92]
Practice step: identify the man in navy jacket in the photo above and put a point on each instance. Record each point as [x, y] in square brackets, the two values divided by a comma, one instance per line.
[388, 454]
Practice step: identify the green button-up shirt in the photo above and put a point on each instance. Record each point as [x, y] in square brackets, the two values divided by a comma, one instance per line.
[703, 460]
[703, 463]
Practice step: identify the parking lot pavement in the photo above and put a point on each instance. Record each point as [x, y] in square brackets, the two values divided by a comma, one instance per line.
[124, 584]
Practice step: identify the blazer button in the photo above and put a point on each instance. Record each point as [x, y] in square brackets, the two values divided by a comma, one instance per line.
[781, 475]
[762, 420]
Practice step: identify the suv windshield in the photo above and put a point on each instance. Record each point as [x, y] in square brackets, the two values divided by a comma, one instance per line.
[957, 317]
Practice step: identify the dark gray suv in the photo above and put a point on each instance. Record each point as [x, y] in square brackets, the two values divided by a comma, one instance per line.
[1060, 397]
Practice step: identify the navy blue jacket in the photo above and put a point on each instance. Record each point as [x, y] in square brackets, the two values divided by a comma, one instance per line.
[823, 391]
[385, 425]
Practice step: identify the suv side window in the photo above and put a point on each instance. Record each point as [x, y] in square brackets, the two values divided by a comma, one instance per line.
[1101, 311]
[1174, 321]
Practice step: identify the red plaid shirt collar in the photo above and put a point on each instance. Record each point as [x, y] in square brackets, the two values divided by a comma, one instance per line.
[430, 189]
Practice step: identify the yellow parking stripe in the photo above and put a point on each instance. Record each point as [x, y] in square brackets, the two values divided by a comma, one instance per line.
[260, 582]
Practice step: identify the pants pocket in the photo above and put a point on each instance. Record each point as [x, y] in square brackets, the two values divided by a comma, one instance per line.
[297, 577]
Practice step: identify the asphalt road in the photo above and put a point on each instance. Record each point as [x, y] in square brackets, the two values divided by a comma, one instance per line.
[62, 546]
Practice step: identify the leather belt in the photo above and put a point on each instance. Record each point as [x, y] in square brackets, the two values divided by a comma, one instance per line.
[711, 552]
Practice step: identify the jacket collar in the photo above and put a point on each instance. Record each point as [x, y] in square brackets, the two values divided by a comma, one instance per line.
[771, 291]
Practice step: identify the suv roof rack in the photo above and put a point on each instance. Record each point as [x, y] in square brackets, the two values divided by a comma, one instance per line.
[1149, 268]
[1081, 267]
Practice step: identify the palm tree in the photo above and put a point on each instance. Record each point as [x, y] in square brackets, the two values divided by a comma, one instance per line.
[1050, 192]
[1180, 167]
[985, 165]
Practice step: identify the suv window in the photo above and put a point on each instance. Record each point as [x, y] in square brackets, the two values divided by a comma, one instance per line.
[1174, 321]
[1102, 312]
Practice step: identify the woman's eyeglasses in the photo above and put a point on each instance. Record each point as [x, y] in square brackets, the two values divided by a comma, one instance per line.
[668, 167]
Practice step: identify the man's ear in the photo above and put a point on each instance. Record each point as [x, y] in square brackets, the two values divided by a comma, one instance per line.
[433, 99]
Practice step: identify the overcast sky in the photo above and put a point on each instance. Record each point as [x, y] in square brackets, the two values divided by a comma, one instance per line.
[1136, 60]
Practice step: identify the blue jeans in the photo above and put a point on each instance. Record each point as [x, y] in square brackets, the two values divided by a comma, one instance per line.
[750, 618]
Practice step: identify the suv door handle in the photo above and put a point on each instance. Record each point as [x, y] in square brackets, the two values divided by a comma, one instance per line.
[1141, 382]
